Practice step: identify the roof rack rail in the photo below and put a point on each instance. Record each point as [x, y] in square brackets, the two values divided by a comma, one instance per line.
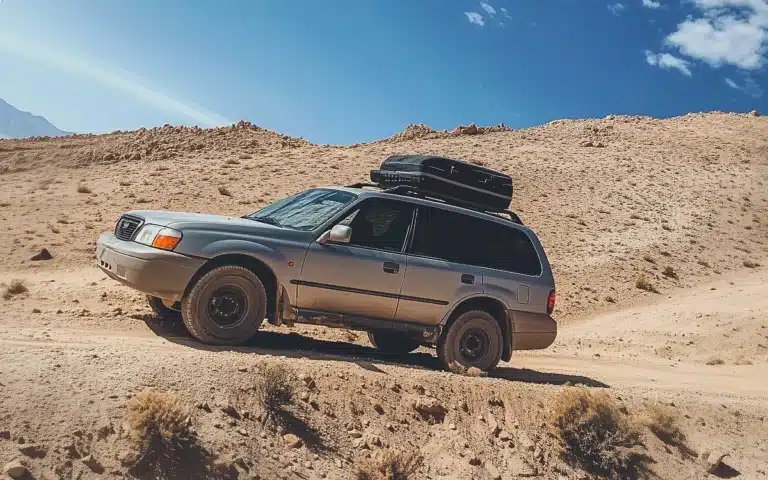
[422, 193]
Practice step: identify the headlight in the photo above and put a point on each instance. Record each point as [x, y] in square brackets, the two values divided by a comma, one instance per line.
[158, 237]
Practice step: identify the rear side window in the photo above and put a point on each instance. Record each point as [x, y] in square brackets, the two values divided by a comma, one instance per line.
[464, 239]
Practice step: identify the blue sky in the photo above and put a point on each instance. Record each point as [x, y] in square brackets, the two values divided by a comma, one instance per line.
[346, 71]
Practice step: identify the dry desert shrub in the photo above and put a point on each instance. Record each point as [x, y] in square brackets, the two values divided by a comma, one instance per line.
[16, 287]
[391, 466]
[276, 390]
[595, 434]
[669, 272]
[643, 283]
[663, 422]
[83, 188]
[751, 264]
[159, 424]
[715, 361]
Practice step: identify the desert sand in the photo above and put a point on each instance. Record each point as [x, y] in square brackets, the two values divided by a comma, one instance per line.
[676, 206]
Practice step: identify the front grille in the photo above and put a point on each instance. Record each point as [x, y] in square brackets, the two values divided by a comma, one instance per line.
[126, 227]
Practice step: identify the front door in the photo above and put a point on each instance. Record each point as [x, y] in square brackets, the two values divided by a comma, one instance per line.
[363, 277]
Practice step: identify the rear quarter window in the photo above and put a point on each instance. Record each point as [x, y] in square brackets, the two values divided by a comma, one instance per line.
[460, 238]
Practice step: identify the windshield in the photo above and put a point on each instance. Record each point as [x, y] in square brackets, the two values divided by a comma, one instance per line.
[305, 211]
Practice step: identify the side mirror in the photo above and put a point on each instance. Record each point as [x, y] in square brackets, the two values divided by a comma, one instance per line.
[338, 234]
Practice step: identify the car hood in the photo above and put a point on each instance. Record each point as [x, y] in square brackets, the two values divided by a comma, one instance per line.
[201, 222]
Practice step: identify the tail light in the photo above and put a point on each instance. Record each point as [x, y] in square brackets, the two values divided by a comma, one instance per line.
[551, 302]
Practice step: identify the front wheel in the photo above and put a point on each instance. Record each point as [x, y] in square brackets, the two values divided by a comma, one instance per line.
[473, 340]
[225, 306]
[393, 342]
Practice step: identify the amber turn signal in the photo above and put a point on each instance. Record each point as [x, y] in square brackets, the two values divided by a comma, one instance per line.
[165, 242]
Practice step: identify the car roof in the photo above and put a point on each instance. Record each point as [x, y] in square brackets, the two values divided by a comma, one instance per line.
[427, 202]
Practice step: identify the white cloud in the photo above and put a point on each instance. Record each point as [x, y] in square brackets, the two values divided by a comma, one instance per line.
[505, 12]
[667, 61]
[108, 76]
[651, 4]
[750, 87]
[475, 18]
[616, 8]
[729, 32]
[488, 8]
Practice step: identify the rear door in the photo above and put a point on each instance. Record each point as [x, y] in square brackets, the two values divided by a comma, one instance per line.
[440, 266]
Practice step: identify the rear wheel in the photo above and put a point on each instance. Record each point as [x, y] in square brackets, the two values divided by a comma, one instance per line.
[161, 309]
[393, 342]
[225, 306]
[473, 340]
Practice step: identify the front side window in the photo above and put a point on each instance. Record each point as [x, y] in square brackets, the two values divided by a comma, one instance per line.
[304, 211]
[470, 240]
[379, 223]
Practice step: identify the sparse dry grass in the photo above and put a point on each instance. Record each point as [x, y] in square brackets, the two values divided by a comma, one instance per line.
[715, 361]
[83, 188]
[663, 422]
[643, 283]
[16, 287]
[276, 389]
[159, 426]
[669, 272]
[595, 434]
[391, 465]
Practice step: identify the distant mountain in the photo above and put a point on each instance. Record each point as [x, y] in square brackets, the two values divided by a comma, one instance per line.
[15, 123]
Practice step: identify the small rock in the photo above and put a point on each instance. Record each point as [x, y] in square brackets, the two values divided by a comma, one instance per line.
[126, 458]
[452, 426]
[92, 463]
[464, 407]
[714, 460]
[5, 435]
[309, 382]
[243, 432]
[242, 369]
[59, 311]
[493, 472]
[304, 396]
[390, 427]
[429, 408]
[493, 425]
[230, 410]
[378, 408]
[525, 442]
[204, 406]
[36, 310]
[504, 436]
[33, 451]
[15, 469]
[354, 433]
[517, 467]
[473, 460]
[43, 255]
[292, 440]
[419, 389]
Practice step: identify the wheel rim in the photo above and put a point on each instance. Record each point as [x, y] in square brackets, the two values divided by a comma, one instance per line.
[474, 345]
[227, 306]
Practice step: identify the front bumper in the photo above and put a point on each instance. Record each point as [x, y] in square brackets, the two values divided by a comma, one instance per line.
[532, 331]
[156, 272]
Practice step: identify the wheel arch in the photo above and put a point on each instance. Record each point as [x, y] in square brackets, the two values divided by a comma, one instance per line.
[259, 268]
[494, 307]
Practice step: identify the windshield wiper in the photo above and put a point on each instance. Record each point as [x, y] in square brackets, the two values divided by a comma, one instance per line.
[267, 220]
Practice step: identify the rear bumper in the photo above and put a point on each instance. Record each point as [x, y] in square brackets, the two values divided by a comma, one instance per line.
[532, 331]
[150, 270]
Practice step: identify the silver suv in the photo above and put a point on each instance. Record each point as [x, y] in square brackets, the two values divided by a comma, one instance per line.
[408, 270]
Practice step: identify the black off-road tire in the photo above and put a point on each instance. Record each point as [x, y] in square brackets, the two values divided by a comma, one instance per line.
[393, 342]
[196, 306]
[162, 311]
[470, 328]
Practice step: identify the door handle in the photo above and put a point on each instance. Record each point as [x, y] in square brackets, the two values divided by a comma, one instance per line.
[391, 267]
[468, 279]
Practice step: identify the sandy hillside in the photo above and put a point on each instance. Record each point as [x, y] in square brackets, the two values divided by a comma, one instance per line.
[681, 203]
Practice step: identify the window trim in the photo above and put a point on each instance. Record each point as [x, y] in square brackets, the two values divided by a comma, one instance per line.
[344, 214]
[410, 252]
